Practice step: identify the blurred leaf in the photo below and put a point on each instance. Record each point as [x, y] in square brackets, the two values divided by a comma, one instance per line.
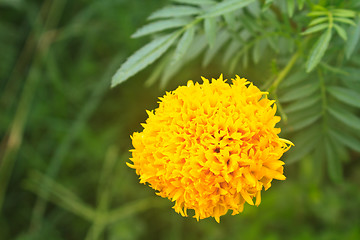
[305, 141]
[160, 26]
[229, 52]
[267, 4]
[318, 20]
[333, 162]
[304, 122]
[340, 31]
[293, 78]
[318, 51]
[143, 57]
[290, 7]
[210, 28]
[174, 11]
[346, 139]
[184, 44]
[300, 92]
[300, 4]
[231, 21]
[211, 53]
[343, 13]
[354, 36]
[156, 73]
[345, 95]
[315, 28]
[317, 13]
[345, 117]
[226, 7]
[258, 50]
[196, 2]
[302, 104]
[344, 20]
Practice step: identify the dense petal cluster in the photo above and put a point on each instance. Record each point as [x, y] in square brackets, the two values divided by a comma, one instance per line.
[211, 147]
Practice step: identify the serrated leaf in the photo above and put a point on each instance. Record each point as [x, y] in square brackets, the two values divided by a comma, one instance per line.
[346, 139]
[220, 41]
[333, 162]
[290, 7]
[305, 142]
[318, 51]
[174, 11]
[183, 44]
[300, 92]
[340, 31]
[196, 2]
[344, 13]
[345, 117]
[345, 95]
[344, 20]
[318, 20]
[354, 36]
[143, 57]
[160, 26]
[302, 104]
[210, 28]
[226, 7]
[315, 28]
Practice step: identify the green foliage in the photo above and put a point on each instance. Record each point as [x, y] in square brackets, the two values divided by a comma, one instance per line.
[65, 135]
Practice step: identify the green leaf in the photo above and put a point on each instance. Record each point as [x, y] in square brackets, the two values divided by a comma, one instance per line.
[354, 36]
[143, 57]
[304, 122]
[226, 7]
[231, 21]
[258, 50]
[273, 43]
[305, 141]
[293, 79]
[220, 41]
[156, 73]
[183, 44]
[317, 13]
[210, 27]
[318, 51]
[345, 95]
[318, 20]
[196, 2]
[174, 11]
[266, 5]
[333, 162]
[344, 20]
[345, 117]
[230, 51]
[346, 139]
[300, 92]
[341, 32]
[344, 13]
[301, 4]
[302, 104]
[315, 28]
[160, 26]
[290, 7]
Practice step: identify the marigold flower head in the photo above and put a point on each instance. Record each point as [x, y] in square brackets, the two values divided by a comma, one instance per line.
[211, 147]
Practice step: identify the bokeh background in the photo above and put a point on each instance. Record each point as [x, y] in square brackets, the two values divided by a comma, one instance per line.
[65, 137]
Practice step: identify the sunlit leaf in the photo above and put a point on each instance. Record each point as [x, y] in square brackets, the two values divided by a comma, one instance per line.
[226, 7]
[318, 51]
[315, 28]
[143, 57]
[340, 31]
[344, 20]
[344, 13]
[160, 26]
[290, 7]
[316, 21]
[174, 11]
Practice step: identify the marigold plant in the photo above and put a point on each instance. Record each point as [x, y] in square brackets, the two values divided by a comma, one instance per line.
[211, 147]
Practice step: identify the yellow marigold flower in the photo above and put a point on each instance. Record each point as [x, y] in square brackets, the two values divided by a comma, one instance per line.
[211, 147]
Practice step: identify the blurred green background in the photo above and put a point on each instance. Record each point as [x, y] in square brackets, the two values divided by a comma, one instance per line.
[65, 138]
